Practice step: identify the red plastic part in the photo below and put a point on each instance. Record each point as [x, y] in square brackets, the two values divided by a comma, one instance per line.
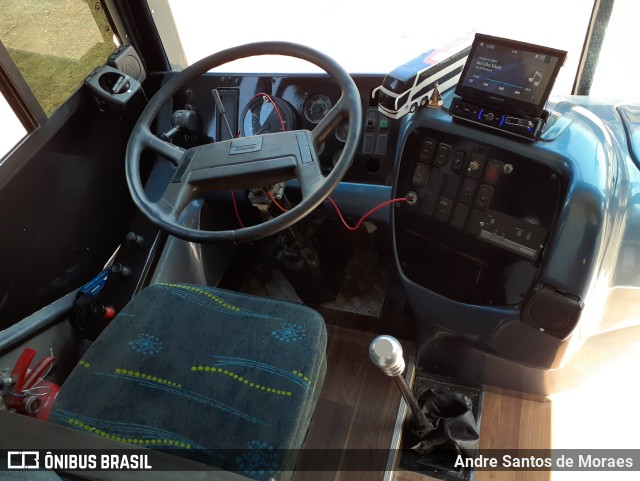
[25, 379]
[492, 173]
[37, 372]
[19, 371]
[47, 400]
[109, 313]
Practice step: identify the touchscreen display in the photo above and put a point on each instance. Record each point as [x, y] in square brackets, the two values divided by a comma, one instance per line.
[513, 75]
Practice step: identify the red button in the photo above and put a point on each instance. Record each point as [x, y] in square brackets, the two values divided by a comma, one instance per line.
[492, 174]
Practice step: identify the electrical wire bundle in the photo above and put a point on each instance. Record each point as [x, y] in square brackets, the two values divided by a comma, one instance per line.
[268, 98]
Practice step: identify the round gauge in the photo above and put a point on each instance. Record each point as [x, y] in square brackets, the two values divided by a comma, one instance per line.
[260, 116]
[316, 107]
[336, 157]
[342, 131]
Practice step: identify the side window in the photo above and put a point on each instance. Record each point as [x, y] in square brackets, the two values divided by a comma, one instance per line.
[55, 44]
[12, 128]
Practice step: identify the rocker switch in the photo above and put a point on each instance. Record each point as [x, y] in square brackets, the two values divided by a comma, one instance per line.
[443, 210]
[484, 196]
[443, 155]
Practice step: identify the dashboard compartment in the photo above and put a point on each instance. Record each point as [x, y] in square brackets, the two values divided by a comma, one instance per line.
[479, 218]
[502, 242]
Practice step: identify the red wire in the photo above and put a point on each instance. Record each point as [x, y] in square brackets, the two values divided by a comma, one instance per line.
[277, 110]
[275, 107]
[354, 228]
[276, 202]
[359, 223]
[399, 199]
[235, 208]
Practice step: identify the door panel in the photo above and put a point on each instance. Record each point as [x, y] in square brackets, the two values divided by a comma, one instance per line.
[65, 211]
[64, 204]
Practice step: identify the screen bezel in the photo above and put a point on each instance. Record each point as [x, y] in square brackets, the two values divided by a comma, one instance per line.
[509, 104]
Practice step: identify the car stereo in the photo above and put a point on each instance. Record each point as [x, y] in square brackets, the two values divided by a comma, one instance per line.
[505, 85]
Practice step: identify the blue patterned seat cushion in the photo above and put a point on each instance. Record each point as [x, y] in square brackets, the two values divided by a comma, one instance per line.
[201, 371]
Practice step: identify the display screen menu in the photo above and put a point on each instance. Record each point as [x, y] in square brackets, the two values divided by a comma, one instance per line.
[513, 75]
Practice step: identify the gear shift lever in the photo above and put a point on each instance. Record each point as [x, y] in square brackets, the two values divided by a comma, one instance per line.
[386, 353]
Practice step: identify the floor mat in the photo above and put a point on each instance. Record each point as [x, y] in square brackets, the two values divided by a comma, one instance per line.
[363, 290]
[365, 285]
[264, 280]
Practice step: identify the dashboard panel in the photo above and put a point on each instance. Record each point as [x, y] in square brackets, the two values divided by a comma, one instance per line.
[479, 217]
[302, 100]
[468, 273]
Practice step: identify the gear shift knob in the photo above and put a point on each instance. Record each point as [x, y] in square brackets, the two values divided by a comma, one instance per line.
[386, 353]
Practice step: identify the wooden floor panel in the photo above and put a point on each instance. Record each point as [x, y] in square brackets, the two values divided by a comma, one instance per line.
[374, 419]
[512, 423]
[347, 359]
[358, 407]
[329, 431]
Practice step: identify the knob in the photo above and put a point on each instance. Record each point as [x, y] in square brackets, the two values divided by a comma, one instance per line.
[124, 271]
[135, 239]
[412, 198]
[474, 165]
[5, 381]
[386, 353]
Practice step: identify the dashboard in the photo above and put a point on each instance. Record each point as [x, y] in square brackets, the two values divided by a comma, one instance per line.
[507, 249]
[302, 101]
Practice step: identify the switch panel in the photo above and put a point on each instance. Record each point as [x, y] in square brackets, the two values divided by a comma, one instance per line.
[459, 183]
[477, 231]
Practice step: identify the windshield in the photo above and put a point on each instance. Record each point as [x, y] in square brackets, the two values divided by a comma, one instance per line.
[371, 37]
[395, 84]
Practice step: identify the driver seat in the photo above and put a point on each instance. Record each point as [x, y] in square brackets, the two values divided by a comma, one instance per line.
[223, 378]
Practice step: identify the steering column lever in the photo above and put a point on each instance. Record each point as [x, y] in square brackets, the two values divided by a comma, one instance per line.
[223, 111]
[182, 121]
[386, 353]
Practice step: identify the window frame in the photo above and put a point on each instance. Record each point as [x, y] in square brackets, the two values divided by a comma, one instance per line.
[593, 42]
[39, 127]
[19, 95]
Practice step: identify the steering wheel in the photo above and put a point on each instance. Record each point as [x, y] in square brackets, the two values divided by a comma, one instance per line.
[245, 162]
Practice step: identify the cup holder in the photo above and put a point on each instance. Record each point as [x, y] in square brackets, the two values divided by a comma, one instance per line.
[111, 88]
[114, 83]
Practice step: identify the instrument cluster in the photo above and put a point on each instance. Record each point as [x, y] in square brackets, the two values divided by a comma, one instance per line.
[265, 114]
[250, 105]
